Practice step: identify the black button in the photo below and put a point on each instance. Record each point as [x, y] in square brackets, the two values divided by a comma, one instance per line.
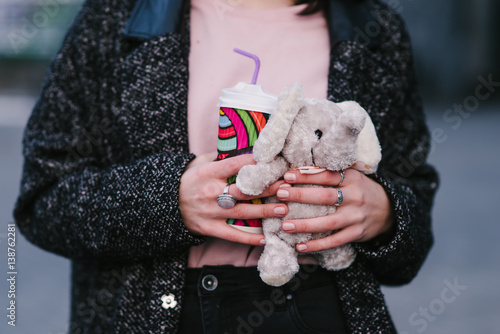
[209, 282]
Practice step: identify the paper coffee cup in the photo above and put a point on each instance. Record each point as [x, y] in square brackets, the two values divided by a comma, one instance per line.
[243, 112]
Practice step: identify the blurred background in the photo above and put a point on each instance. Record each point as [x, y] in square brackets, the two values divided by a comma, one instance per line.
[457, 53]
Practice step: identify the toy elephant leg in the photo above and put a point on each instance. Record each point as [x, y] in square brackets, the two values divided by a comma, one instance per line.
[278, 263]
[337, 258]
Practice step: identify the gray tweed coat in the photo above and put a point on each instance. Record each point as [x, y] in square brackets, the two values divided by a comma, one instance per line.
[107, 143]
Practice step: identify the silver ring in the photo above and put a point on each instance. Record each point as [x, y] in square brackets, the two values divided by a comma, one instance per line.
[340, 197]
[342, 175]
[225, 200]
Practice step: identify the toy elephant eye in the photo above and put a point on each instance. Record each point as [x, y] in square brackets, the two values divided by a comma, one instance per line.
[318, 133]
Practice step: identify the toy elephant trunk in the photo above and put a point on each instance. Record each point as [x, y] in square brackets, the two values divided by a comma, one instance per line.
[306, 132]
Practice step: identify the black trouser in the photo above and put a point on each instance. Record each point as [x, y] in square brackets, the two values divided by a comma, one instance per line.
[227, 299]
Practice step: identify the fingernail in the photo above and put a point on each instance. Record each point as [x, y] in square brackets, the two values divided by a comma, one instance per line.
[285, 185]
[262, 241]
[288, 226]
[282, 193]
[279, 210]
[290, 177]
[301, 247]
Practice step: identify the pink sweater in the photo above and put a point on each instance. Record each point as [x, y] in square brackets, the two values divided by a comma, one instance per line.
[291, 48]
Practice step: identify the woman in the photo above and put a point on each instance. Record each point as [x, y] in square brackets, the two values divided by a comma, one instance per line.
[115, 177]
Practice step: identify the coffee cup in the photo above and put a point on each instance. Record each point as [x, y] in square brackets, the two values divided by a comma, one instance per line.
[243, 112]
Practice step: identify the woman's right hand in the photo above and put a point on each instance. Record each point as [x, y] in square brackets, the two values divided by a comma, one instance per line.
[204, 180]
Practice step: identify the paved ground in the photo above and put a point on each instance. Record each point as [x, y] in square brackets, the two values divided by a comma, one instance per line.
[456, 291]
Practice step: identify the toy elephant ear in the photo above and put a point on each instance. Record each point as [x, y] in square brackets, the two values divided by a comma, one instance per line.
[369, 151]
[272, 138]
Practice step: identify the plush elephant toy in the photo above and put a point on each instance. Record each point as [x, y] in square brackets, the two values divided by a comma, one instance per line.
[321, 135]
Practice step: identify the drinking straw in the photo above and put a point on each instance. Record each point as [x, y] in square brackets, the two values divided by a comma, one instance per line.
[257, 63]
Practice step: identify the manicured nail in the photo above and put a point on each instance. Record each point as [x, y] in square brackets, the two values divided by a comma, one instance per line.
[282, 193]
[279, 210]
[285, 185]
[301, 247]
[262, 241]
[288, 226]
[290, 177]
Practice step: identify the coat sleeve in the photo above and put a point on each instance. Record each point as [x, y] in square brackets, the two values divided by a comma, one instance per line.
[391, 96]
[77, 197]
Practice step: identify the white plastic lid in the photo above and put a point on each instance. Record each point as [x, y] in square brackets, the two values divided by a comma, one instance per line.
[248, 97]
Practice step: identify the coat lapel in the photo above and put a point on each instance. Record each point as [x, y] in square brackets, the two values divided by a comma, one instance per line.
[154, 86]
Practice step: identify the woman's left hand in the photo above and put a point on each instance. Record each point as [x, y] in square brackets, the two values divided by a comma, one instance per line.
[365, 213]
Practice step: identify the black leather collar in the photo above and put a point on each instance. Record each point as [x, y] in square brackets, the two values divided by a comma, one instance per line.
[348, 19]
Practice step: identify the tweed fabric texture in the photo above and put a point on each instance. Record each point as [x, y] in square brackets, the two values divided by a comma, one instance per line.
[106, 146]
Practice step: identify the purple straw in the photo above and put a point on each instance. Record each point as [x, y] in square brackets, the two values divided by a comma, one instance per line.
[257, 63]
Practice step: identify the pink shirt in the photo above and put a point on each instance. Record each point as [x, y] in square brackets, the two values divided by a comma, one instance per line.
[291, 48]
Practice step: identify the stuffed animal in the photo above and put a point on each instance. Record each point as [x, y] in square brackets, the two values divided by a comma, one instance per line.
[321, 135]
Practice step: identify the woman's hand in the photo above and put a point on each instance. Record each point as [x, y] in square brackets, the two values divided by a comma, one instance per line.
[203, 181]
[365, 213]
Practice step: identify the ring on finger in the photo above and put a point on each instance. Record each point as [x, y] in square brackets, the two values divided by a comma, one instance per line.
[340, 197]
[342, 177]
[225, 200]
